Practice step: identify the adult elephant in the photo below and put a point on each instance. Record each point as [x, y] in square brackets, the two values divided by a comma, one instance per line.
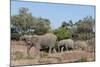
[81, 45]
[40, 41]
[68, 44]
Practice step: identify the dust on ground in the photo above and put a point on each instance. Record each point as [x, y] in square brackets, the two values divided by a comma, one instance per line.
[18, 48]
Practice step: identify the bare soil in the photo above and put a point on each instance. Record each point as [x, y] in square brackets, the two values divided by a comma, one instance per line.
[63, 57]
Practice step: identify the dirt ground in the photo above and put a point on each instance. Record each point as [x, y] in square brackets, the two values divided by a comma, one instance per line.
[19, 56]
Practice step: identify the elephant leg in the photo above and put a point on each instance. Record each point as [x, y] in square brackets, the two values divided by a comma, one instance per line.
[58, 48]
[66, 49]
[62, 48]
[72, 48]
[37, 53]
[41, 54]
[50, 50]
[28, 50]
[54, 50]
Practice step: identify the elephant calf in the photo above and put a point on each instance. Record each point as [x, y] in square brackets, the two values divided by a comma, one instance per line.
[68, 44]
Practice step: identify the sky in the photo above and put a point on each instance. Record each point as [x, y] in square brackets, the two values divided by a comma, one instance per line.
[56, 13]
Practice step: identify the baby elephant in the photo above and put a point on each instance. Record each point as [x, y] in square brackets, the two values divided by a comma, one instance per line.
[66, 44]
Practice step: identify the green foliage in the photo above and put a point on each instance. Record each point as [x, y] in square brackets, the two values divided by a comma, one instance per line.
[64, 24]
[85, 36]
[62, 33]
[15, 36]
[25, 21]
[42, 26]
[85, 28]
[22, 21]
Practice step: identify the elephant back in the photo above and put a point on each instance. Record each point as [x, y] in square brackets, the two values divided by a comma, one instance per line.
[48, 40]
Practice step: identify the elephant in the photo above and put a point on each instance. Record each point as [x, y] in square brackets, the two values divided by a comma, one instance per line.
[81, 45]
[47, 40]
[68, 44]
[91, 44]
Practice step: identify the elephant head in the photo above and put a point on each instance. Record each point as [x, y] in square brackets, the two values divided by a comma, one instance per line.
[30, 41]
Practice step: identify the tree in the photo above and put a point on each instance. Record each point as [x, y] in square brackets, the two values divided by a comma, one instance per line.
[64, 24]
[62, 33]
[42, 26]
[23, 10]
[23, 20]
[70, 23]
[26, 22]
[85, 28]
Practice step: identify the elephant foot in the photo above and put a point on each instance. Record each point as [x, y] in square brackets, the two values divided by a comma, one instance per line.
[50, 51]
[54, 51]
[62, 49]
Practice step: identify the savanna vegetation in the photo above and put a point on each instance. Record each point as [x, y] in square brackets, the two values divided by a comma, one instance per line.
[25, 23]
[80, 33]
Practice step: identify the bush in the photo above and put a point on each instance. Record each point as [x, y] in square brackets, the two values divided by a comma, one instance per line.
[19, 55]
[62, 33]
[15, 36]
[83, 59]
[85, 36]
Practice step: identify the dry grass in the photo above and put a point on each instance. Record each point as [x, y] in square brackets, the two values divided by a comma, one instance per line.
[19, 51]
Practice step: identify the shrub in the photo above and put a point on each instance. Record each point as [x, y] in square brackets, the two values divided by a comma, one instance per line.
[15, 36]
[83, 59]
[62, 33]
[19, 55]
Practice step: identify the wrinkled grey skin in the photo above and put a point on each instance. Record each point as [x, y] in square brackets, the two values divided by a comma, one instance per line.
[39, 42]
[28, 40]
[67, 43]
[82, 45]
